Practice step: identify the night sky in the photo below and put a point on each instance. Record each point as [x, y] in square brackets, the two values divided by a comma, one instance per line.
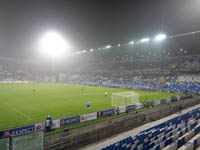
[91, 23]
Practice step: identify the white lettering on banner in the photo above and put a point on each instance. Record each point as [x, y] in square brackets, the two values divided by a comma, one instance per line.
[56, 124]
[87, 117]
[22, 130]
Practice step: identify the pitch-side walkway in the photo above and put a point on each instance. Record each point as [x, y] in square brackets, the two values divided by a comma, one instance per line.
[133, 132]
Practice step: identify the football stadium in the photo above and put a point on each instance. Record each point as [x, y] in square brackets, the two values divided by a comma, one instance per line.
[100, 75]
[23, 106]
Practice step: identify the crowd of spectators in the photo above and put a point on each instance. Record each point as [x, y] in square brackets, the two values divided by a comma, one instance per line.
[172, 74]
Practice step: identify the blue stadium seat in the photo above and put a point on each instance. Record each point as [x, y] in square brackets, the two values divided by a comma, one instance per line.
[168, 135]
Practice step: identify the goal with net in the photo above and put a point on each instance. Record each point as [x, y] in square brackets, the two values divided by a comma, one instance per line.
[124, 98]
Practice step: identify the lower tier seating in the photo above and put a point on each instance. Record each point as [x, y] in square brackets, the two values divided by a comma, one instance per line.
[181, 132]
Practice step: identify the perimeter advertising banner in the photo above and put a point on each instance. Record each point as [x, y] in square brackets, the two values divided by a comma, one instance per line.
[107, 112]
[5, 133]
[22, 130]
[69, 121]
[39, 126]
[87, 117]
[17, 131]
[121, 109]
[131, 107]
[140, 105]
[56, 124]
[149, 104]
[156, 102]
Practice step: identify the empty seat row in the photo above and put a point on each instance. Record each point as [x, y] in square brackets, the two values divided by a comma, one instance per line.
[176, 141]
[161, 135]
[191, 144]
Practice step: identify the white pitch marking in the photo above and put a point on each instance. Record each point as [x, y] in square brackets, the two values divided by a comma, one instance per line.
[27, 117]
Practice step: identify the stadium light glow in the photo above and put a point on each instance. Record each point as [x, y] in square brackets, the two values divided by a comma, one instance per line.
[53, 45]
[84, 51]
[91, 50]
[160, 37]
[108, 46]
[144, 40]
[131, 43]
[118, 45]
[78, 52]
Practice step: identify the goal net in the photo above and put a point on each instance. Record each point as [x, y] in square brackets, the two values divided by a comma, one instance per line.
[124, 98]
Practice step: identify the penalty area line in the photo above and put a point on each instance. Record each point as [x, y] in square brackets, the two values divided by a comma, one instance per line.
[18, 111]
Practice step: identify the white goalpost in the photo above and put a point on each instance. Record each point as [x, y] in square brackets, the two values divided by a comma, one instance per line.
[124, 98]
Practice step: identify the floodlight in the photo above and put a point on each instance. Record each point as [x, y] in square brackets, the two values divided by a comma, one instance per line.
[131, 43]
[108, 46]
[84, 51]
[144, 40]
[78, 52]
[91, 50]
[118, 45]
[53, 45]
[160, 37]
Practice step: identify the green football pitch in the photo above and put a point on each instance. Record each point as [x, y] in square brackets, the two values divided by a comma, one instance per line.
[21, 105]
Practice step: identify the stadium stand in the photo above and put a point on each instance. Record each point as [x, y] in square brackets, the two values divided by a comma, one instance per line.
[174, 74]
[181, 132]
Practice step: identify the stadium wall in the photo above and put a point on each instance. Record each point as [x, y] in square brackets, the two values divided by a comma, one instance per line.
[96, 133]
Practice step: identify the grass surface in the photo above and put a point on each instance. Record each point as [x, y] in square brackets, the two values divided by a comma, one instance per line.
[20, 105]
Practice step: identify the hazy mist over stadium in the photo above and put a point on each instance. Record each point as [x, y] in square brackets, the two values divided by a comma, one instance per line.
[87, 24]
[80, 72]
